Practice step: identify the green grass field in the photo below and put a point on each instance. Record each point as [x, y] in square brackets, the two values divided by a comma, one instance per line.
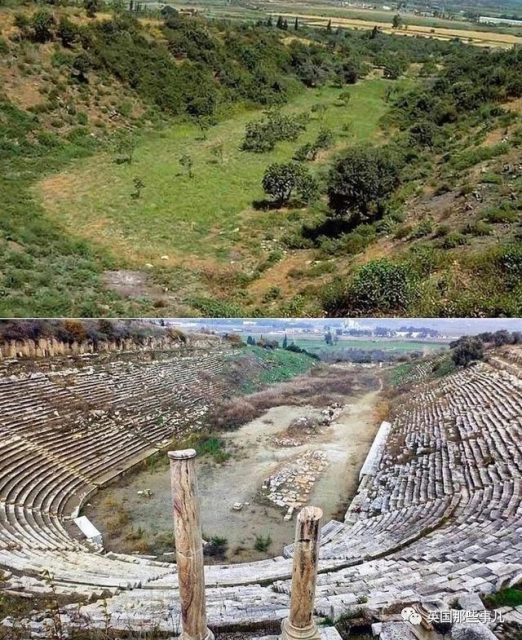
[202, 216]
[315, 344]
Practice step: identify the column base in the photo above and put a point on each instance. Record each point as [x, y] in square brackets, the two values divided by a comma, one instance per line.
[209, 636]
[289, 632]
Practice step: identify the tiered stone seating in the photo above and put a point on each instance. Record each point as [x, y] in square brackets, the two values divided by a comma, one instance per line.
[438, 512]
[65, 432]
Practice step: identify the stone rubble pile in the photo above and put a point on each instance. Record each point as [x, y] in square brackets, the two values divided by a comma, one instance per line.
[290, 488]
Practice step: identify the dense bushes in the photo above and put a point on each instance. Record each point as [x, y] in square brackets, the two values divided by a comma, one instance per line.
[69, 331]
[472, 79]
[262, 135]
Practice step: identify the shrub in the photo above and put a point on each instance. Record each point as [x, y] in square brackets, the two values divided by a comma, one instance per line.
[511, 597]
[233, 414]
[403, 231]
[454, 239]
[325, 139]
[442, 230]
[423, 134]
[258, 138]
[92, 7]
[510, 262]
[305, 152]
[357, 240]
[75, 329]
[424, 228]
[479, 228]
[345, 97]
[379, 286]
[500, 215]
[67, 32]
[176, 334]
[262, 543]
[216, 547]
[42, 24]
[22, 22]
[467, 350]
[262, 135]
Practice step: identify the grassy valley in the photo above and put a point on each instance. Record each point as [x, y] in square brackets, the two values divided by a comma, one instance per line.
[131, 185]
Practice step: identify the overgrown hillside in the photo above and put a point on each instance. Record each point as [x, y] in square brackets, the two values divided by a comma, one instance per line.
[141, 172]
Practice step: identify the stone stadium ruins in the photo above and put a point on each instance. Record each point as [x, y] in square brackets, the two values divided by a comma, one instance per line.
[433, 529]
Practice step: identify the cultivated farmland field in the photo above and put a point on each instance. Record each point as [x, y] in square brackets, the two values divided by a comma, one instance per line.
[315, 344]
[472, 36]
[320, 13]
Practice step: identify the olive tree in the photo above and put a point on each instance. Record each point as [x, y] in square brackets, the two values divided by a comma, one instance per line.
[282, 180]
[361, 182]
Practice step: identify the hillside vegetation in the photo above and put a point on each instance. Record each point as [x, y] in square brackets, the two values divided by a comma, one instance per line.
[177, 166]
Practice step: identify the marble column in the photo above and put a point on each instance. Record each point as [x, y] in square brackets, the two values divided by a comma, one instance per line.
[300, 623]
[189, 545]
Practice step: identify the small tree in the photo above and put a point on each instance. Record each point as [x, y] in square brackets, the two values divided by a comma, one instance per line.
[282, 180]
[361, 182]
[329, 27]
[397, 21]
[80, 67]
[187, 163]
[138, 186]
[467, 350]
[91, 7]
[204, 123]
[296, 24]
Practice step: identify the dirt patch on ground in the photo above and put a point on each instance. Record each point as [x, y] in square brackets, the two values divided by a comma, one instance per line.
[132, 284]
[514, 105]
[59, 186]
[140, 500]
[495, 137]
[24, 92]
